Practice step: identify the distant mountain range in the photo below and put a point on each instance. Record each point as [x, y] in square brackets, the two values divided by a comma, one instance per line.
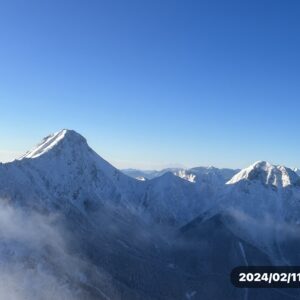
[188, 174]
[72, 226]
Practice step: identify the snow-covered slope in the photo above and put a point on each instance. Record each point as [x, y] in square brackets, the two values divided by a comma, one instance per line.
[51, 142]
[207, 184]
[178, 195]
[268, 174]
[263, 201]
[171, 199]
[64, 170]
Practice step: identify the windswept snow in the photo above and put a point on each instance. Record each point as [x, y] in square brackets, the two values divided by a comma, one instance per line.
[47, 144]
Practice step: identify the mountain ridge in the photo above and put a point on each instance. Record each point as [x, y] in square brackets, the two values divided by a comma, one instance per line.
[121, 231]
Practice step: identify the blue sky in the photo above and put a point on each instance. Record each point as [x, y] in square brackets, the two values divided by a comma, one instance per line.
[154, 83]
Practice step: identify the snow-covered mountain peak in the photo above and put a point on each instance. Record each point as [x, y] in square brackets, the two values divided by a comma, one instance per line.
[184, 174]
[70, 139]
[267, 174]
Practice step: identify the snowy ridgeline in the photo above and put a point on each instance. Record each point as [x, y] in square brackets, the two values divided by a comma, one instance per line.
[74, 227]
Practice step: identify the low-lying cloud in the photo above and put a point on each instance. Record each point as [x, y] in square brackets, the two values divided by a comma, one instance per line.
[34, 259]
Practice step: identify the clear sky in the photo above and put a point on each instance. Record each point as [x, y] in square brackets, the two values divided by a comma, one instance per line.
[153, 83]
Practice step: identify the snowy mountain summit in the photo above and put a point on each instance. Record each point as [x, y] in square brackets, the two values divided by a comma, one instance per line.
[267, 174]
[69, 138]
